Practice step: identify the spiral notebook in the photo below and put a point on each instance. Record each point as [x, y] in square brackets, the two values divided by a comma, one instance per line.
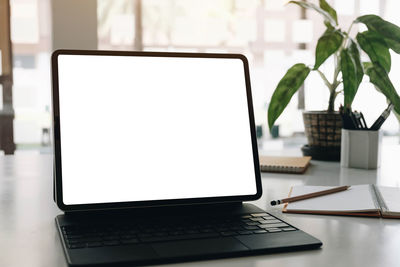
[284, 164]
[358, 200]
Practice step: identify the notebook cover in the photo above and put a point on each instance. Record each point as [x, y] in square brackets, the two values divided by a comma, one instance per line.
[284, 164]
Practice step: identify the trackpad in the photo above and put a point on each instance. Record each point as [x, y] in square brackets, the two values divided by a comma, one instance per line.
[198, 247]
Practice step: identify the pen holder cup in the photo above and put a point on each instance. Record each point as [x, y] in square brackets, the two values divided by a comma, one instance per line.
[360, 149]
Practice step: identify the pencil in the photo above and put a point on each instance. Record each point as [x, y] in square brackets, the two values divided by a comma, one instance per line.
[310, 195]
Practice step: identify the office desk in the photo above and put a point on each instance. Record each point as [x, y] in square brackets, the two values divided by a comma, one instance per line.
[28, 234]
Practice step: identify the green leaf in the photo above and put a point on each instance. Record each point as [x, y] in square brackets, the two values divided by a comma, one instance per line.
[379, 77]
[375, 47]
[367, 65]
[327, 44]
[355, 54]
[327, 17]
[389, 31]
[326, 7]
[395, 46]
[349, 76]
[286, 88]
[328, 26]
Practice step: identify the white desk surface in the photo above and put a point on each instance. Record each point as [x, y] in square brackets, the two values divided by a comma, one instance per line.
[28, 234]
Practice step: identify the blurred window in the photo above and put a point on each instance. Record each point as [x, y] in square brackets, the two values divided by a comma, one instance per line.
[270, 33]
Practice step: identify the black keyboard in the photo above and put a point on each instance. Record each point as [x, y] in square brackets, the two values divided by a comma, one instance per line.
[145, 231]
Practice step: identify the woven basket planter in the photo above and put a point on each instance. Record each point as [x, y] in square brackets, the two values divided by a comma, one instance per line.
[323, 132]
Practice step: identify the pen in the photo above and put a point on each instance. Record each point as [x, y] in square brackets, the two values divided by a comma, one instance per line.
[363, 120]
[310, 195]
[381, 119]
[357, 118]
[354, 121]
[348, 122]
[360, 120]
[344, 120]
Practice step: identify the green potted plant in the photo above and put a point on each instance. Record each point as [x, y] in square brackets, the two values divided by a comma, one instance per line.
[323, 128]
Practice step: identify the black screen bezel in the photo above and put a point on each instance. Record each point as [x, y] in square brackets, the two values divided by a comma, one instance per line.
[152, 203]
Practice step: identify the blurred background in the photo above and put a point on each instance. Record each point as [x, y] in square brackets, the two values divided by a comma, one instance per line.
[272, 35]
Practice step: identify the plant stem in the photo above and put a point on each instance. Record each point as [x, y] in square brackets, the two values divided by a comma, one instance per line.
[351, 25]
[335, 83]
[332, 97]
[338, 92]
[337, 66]
[327, 83]
[331, 87]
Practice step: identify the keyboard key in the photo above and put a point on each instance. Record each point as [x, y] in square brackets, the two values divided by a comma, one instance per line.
[144, 235]
[78, 245]
[252, 227]
[257, 219]
[229, 233]
[270, 221]
[273, 225]
[160, 234]
[73, 241]
[289, 229]
[245, 216]
[207, 230]
[130, 241]
[115, 232]
[91, 234]
[245, 232]
[127, 236]
[111, 237]
[94, 244]
[192, 231]
[260, 232]
[268, 217]
[252, 223]
[75, 236]
[111, 243]
[259, 214]
[176, 233]
[92, 239]
[273, 230]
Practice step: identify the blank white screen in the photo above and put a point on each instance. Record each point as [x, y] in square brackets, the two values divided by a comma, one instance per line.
[153, 128]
